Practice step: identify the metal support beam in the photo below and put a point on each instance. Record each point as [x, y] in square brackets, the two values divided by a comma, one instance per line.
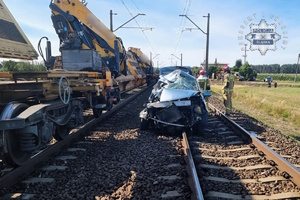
[111, 21]
[207, 36]
[207, 42]
[245, 53]
[178, 58]
[297, 69]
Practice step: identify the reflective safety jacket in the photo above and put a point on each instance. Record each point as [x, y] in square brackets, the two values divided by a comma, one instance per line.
[228, 83]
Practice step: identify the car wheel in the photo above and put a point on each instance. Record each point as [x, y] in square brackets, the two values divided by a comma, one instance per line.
[144, 124]
[199, 127]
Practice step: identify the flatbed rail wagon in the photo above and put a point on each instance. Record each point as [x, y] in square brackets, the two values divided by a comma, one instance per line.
[37, 106]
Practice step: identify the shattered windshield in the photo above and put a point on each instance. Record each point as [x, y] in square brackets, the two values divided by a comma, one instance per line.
[166, 70]
[181, 80]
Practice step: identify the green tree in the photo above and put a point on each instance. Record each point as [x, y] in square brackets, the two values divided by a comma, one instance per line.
[212, 70]
[156, 70]
[238, 64]
[247, 71]
[24, 66]
[196, 71]
[9, 66]
[288, 68]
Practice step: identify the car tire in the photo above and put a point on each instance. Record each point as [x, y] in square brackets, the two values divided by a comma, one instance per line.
[198, 128]
[144, 124]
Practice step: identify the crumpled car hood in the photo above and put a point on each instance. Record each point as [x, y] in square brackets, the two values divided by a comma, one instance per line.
[175, 86]
[169, 94]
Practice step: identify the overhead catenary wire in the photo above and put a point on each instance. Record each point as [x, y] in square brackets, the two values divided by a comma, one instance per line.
[149, 43]
[145, 17]
[186, 9]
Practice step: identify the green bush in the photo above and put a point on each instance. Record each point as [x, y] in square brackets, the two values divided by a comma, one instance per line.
[247, 72]
[12, 66]
[278, 77]
[286, 113]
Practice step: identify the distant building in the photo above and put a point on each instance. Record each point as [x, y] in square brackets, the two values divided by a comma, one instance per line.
[214, 64]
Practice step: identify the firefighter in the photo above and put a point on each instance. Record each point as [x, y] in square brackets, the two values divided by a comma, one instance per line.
[204, 84]
[202, 79]
[269, 84]
[202, 72]
[227, 89]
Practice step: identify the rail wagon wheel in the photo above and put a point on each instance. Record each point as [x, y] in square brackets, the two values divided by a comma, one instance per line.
[97, 112]
[61, 132]
[12, 139]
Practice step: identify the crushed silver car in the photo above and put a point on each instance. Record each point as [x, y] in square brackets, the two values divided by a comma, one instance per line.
[175, 104]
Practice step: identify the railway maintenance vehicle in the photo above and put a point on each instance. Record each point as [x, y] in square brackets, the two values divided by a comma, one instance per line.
[91, 71]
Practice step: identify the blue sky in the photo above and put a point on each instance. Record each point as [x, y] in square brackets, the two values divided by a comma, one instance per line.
[170, 35]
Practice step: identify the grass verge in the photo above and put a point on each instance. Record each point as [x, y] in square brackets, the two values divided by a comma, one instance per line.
[277, 107]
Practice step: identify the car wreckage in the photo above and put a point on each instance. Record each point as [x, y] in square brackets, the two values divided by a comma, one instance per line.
[175, 104]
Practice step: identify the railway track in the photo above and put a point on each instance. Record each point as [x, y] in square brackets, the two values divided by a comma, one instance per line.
[116, 160]
[232, 163]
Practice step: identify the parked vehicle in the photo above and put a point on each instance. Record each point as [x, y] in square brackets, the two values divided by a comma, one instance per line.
[268, 79]
[238, 77]
[175, 104]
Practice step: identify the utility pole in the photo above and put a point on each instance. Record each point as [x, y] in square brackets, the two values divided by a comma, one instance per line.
[245, 53]
[111, 20]
[178, 58]
[297, 69]
[181, 59]
[207, 42]
[151, 59]
[207, 36]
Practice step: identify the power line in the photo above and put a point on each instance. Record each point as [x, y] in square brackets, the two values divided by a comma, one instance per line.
[138, 25]
[136, 5]
[186, 9]
[146, 17]
[182, 23]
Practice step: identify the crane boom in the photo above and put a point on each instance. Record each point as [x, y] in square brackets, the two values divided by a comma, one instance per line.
[78, 28]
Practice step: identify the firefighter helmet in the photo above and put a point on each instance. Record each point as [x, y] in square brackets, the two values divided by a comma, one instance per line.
[226, 68]
[202, 72]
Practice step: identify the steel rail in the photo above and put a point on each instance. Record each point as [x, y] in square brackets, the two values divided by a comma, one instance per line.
[194, 184]
[282, 164]
[29, 166]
